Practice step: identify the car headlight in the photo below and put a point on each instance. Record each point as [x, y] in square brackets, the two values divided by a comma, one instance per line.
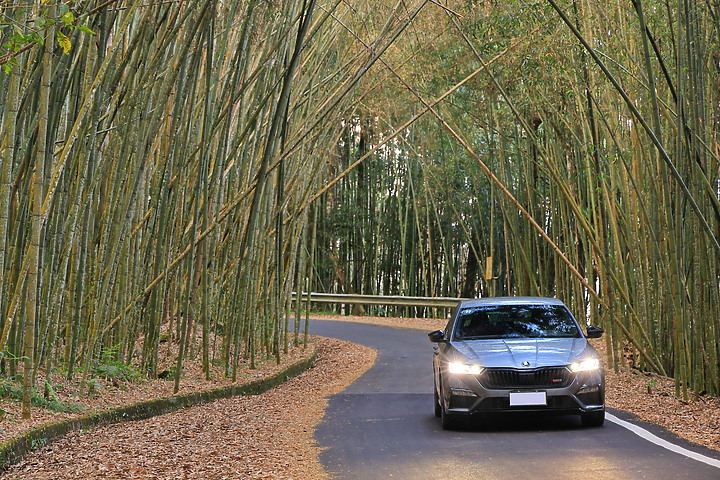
[585, 365]
[463, 368]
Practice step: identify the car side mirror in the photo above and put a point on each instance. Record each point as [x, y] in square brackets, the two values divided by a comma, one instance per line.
[594, 332]
[437, 336]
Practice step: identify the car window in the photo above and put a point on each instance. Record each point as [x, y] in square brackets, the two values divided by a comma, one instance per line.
[451, 319]
[515, 321]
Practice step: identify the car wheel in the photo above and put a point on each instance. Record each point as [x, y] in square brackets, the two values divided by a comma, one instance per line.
[436, 399]
[448, 420]
[593, 419]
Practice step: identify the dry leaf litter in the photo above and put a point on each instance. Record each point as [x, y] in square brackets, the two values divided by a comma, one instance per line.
[252, 437]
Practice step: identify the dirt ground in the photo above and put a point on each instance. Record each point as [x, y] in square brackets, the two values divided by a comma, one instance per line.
[271, 435]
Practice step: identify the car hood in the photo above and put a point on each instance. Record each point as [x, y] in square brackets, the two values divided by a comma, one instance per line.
[523, 352]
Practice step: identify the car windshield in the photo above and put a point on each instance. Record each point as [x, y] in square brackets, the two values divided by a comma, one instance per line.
[515, 321]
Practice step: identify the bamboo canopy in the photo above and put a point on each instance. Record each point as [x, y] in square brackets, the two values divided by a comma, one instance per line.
[172, 171]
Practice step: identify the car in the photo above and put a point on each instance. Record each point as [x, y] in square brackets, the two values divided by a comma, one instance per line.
[516, 354]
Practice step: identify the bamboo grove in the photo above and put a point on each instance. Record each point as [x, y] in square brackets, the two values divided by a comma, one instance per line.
[576, 156]
[157, 160]
[171, 171]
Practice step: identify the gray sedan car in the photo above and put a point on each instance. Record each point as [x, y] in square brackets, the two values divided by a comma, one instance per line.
[516, 354]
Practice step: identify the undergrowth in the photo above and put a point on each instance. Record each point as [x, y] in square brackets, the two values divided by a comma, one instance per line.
[9, 389]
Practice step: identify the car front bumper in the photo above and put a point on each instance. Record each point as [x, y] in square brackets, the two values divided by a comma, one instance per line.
[465, 394]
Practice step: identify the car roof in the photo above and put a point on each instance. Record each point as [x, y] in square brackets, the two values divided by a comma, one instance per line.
[477, 302]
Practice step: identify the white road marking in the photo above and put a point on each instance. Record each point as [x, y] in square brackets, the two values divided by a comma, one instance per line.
[641, 432]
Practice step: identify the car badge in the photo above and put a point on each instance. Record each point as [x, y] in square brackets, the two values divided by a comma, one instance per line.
[525, 364]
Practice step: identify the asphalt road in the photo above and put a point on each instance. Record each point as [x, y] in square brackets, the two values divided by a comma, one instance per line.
[382, 426]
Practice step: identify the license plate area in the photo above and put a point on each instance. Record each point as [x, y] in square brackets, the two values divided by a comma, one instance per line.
[523, 399]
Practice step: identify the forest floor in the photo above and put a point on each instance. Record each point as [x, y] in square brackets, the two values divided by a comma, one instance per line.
[271, 435]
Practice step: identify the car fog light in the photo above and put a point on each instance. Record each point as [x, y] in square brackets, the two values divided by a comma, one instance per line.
[589, 389]
[461, 392]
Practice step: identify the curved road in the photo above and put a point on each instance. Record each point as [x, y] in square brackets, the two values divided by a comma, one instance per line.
[382, 426]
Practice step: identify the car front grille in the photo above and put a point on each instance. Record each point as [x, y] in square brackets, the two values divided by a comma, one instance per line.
[500, 378]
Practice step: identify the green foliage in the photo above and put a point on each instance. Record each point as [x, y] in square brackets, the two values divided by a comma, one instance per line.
[16, 36]
[13, 390]
[17, 40]
[651, 384]
[110, 368]
[38, 443]
[93, 386]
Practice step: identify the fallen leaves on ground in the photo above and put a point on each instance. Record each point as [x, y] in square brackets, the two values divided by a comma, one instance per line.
[109, 393]
[652, 399]
[253, 437]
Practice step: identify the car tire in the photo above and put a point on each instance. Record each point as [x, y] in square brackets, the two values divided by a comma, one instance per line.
[436, 399]
[593, 419]
[448, 420]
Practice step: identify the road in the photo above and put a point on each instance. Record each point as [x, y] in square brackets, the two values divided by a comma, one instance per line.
[382, 426]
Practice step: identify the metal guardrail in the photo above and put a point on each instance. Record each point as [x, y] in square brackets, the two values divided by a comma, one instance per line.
[392, 300]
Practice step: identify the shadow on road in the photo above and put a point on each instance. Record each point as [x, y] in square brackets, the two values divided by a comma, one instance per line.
[517, 422]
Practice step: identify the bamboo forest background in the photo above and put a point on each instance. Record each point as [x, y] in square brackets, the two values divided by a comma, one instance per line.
[173, 170]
